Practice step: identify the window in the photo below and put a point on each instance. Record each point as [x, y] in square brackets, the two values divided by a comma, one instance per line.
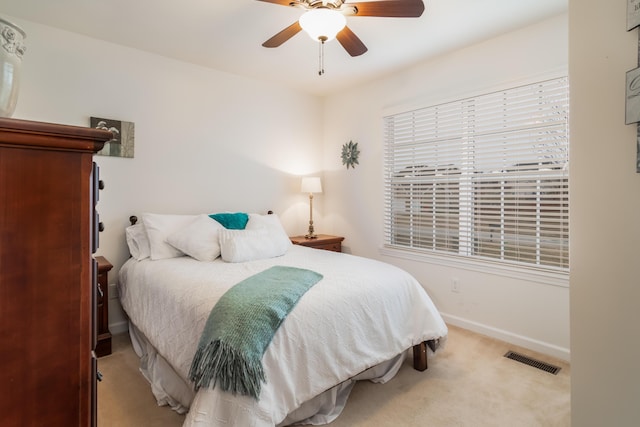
[485, 177]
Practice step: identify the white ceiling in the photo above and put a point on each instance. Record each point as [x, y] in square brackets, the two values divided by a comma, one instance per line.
[227, 34]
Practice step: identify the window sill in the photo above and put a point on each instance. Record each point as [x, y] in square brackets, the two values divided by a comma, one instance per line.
[547, 276]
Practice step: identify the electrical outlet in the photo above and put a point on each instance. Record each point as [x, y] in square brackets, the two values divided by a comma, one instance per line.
[455, 285]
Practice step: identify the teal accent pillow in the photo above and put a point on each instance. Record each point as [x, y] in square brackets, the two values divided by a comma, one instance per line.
[232, 221]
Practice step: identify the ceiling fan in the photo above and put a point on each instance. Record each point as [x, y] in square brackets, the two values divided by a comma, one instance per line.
[325, 19]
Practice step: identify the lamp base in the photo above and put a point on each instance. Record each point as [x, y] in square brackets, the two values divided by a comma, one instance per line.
[311, 234]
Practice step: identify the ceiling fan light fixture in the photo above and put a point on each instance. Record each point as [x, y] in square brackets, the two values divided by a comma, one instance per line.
[322, 24]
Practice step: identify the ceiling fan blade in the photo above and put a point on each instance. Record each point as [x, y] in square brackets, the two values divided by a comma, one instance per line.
[389, 8]
[283, 35]
[350, 42]
[281, 2]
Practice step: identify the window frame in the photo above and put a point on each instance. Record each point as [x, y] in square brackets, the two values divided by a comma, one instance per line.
[554, 275]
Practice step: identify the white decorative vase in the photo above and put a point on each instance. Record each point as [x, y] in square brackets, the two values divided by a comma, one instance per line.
[11, 51]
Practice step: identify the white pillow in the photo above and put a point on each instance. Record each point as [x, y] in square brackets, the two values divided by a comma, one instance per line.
[159, 227]
[271, 223]
[137, 241]
[199, 239]
[248, 245]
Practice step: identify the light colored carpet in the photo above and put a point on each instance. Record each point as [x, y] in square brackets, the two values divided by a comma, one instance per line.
[470, 383]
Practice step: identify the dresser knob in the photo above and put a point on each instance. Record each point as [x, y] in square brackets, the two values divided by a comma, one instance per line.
[101, 185]
[100, 227]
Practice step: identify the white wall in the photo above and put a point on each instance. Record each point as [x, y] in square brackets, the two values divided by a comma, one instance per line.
[189, 114]
[211, 141]
[605, 219]
[520, 311]
[206, 141]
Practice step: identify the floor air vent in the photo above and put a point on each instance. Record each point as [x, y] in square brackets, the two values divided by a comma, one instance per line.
[532, 362]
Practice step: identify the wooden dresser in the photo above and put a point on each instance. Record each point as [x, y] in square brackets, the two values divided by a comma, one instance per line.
[103, 345]
[48, 233]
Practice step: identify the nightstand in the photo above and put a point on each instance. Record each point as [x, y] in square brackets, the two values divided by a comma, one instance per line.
[323, 241]
[103, 347]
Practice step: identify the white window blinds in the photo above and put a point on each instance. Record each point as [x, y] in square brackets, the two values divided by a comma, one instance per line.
[484, 177]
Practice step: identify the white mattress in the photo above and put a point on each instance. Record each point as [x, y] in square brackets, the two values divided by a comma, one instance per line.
[361, 314]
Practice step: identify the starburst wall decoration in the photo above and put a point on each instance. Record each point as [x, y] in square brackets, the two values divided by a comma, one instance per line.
[350, 154]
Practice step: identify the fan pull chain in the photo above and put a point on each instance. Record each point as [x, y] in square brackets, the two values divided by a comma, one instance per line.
[321, 55]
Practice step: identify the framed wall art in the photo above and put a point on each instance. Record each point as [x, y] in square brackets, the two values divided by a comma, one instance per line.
[632, 92]
[638, 150]
[632, 95]
[123, 142]
[633, 14]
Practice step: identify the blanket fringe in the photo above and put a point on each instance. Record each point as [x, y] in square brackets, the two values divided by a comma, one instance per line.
[228, 368]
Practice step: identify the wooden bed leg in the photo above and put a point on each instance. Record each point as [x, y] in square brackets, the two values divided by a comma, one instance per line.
[420, 356]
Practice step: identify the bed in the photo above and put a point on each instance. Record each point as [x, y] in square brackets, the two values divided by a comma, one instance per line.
[359, 321]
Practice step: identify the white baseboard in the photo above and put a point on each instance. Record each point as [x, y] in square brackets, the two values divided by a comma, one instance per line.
[519, 340]
[119, 327]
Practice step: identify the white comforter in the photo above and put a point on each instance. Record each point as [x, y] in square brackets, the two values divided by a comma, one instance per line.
[362, 313]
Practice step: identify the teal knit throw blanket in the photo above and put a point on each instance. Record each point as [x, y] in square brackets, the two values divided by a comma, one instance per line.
[241, 326]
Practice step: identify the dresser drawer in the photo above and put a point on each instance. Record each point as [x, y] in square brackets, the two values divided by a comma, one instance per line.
[323, 241]
[335, 247]
[103, 345]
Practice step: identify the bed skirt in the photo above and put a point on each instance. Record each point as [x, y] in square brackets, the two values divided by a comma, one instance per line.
[172, 390]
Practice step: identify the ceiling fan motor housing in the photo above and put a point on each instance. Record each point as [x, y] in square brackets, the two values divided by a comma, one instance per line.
[331, 4]
[349, 41]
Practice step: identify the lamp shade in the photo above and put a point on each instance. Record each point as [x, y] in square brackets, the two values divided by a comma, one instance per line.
[311, 184]
[322, 24]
